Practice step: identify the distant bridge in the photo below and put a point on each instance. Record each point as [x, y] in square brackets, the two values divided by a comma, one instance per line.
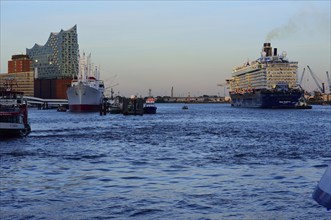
[45, 102]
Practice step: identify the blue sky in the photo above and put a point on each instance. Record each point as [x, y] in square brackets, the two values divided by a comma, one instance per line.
[190, 45]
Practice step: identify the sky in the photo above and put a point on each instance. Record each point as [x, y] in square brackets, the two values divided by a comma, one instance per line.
[191, 46]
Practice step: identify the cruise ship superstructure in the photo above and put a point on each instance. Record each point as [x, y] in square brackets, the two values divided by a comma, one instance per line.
[268, 82]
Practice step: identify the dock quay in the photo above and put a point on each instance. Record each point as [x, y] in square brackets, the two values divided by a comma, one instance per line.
[133, 106]
[45, 103]
[122, 105]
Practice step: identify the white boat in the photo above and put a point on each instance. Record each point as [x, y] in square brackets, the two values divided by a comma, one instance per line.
[87, 92]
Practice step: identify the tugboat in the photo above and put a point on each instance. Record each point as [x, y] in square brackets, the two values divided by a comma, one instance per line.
[149, 107]
[13, 115]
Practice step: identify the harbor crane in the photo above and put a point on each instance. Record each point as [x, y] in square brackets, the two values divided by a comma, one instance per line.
[329, 81]
[303, 73]
[321, 88]
[224, 87]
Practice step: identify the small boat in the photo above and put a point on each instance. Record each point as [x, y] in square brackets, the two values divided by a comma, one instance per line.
[185, 107]
[302, 104]
[303, 107]
[114, 105]
[149, 106]
[61, 108]
[13, 115]
[115, 109]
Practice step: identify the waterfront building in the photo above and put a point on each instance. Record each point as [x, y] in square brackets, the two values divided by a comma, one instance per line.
[20, 76]
[58, 58]
[51, 88]
[19, 63]
[19, 82]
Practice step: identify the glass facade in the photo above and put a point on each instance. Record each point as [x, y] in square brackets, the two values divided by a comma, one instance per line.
[58, 58]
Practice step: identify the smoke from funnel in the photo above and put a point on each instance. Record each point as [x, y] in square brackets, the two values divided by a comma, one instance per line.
[310, 22]
[281, 32]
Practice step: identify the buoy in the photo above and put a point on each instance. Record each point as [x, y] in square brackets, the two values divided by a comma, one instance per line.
[322, 193]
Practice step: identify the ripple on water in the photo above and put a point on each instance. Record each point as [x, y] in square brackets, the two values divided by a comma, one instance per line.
[210, 162]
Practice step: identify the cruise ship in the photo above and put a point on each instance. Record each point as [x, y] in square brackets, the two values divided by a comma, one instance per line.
[86, 93]
[268, 82]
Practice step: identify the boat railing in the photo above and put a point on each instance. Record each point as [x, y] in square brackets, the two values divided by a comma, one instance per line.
[8, 102]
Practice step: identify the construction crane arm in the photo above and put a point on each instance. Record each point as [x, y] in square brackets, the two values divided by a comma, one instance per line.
[303, 73]
[315, 79]
[329, 81]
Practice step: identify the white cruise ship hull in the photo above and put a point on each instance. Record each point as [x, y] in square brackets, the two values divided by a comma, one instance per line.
[83, 98]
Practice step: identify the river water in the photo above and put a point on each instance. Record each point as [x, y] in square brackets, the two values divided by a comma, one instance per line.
[211, 161]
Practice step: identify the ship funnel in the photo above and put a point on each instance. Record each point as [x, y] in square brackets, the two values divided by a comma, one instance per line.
[267, 49]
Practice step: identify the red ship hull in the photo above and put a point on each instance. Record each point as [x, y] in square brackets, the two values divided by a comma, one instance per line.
[84, 108]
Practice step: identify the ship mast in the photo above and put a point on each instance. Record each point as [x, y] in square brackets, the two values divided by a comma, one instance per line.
[89, 67]
[82, 68]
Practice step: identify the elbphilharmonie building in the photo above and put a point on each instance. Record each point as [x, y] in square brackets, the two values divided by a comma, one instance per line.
[58, 58]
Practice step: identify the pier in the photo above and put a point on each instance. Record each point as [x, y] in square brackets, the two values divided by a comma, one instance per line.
[45, 103]
[133, 106]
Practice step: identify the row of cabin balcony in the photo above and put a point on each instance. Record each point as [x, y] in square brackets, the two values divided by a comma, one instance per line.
[262, 83]
[281, 68]
[253, 72]
[260, 73]
[291, 81]
[249, 77]
[257, 79]
[293, 70]
[281, 79]
[269, 74]
[281, 75]
[245, 71]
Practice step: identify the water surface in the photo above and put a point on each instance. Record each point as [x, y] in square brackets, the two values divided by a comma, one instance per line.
[208, 162]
